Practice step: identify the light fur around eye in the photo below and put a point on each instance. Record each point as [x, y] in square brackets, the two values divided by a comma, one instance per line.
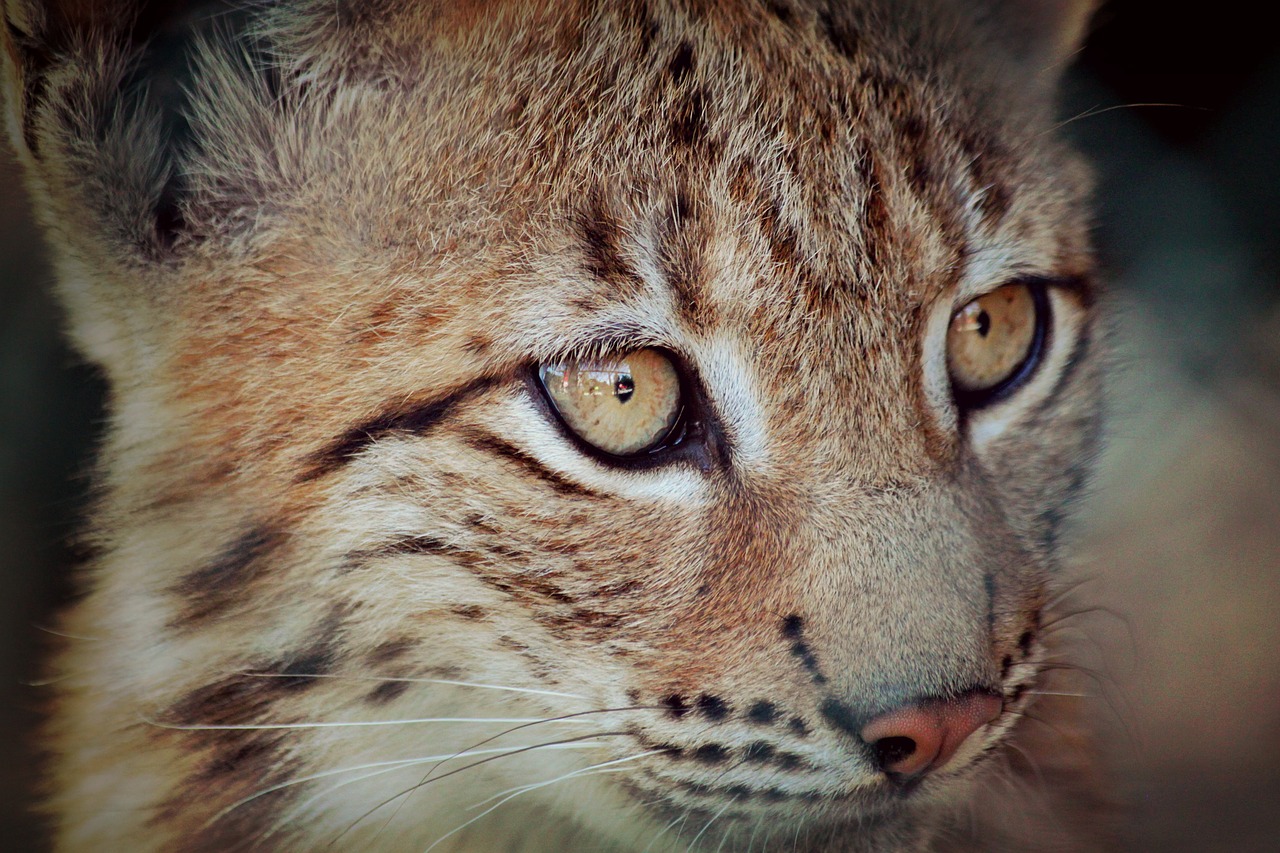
[622, 406]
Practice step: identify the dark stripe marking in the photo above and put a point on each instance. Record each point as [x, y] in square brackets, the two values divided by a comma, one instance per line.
[219, 583]
[389, 651]
[710, 753]
[386, 692]
[682, 63]
[793, 630]
[688, 124]
[602, 245]
[841, 717]
[843, 37]
[531, 465]
[1070, 368]
[681, 254]
[415, 420]
[712, 707]
[780, 10]
[875, 210]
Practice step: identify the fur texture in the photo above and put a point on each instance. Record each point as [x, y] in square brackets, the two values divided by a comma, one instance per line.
[353, 580]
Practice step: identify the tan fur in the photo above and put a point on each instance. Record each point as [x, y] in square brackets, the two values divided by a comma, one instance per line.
[327, 467]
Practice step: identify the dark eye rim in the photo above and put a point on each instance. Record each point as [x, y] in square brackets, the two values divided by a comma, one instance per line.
[688, 439]
[970, 400]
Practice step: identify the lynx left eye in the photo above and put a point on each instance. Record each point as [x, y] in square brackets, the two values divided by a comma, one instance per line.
[623, 406]
[994, 341]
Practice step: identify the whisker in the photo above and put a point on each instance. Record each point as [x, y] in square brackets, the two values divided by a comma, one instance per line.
[580, 771]
[444, 681]
[199, 727]
[751, 841]
[427, 781]
[385, 767]
[1026, 713]
[502, 734]
[1099, 110]
[707, 825]
[1060, 693]
[574, 716]
[1041, 789]
[526, 789]
[665, 830]
[64, 634]
[1108, 690]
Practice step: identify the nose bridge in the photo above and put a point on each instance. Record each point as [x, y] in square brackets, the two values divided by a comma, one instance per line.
[900, 604]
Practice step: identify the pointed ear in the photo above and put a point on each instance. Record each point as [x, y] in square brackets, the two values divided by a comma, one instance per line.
[88, 89]
[93, 94]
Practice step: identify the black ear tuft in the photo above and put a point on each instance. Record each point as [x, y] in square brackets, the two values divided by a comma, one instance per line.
[99, 90]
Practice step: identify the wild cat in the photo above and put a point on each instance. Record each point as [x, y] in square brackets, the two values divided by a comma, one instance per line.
[543, 426]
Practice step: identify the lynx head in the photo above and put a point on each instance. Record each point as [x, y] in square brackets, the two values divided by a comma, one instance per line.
[677, 402]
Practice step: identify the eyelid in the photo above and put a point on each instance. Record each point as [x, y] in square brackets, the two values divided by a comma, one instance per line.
[967, 291]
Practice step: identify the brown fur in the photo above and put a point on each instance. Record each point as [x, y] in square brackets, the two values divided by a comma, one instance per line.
[330, 487]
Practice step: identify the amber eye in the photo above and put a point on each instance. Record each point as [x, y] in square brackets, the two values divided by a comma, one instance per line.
[623, 405]
[994, 340]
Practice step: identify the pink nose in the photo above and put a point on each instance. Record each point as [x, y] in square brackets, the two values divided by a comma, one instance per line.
[919, 738]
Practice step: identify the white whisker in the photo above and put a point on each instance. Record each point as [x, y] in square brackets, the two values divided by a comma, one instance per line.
[1059, 693]
[354, 723]
[1100, 110]
[714, 818]
[385, 767]
[595, 767]
[665, 830]
[428, 780]
[405, 765]
[444, 681]
[527, 788]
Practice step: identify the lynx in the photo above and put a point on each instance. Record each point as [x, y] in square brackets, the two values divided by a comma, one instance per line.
[628, 426]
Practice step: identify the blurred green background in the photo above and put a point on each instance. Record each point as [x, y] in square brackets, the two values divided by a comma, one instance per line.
[1182, 538]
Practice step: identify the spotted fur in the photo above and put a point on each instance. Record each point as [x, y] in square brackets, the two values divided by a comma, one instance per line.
[357, 589]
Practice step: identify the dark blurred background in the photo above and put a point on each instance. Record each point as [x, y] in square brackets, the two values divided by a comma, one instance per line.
[1181, 541]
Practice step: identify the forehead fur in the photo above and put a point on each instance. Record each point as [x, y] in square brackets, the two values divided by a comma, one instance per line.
[527, 114]
[425, 193]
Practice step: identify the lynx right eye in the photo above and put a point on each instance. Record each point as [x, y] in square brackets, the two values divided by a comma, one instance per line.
[994, 342]
[623, 406]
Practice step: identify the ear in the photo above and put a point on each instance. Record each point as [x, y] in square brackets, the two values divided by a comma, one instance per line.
[87, 115]
[93, 94]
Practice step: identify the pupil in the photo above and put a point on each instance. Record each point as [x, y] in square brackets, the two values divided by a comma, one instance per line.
[984, 323]
[624, 388]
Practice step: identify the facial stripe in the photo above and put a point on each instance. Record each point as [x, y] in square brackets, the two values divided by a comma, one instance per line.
[217, 584]
[415, 420]
[530, 465]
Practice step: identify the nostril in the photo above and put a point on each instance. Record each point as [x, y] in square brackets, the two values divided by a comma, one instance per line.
[923, 736]
[893, 750]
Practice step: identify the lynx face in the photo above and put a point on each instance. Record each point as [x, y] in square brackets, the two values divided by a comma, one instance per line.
[574, 426]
